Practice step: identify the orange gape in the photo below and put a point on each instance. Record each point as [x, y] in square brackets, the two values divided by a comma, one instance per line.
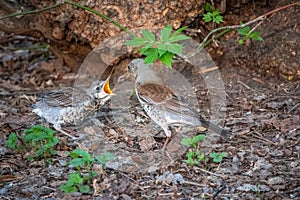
[107, 88]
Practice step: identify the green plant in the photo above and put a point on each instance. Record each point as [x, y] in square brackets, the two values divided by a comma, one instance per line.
[246, 34]
[82, 178]
[11, 142]
[194, 156]
[38, 140]
[213, 16]
[163, 49]
[218, 157]
[193, 142]
[257, 190]
[75, 183]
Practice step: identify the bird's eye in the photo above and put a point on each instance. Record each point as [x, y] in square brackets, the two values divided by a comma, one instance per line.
[98, 88]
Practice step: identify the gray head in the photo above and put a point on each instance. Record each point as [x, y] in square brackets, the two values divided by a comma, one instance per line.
[142, 71]
[134, 65]
[100, 89]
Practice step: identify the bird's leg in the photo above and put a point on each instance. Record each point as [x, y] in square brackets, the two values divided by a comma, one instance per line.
[165, 144]
[168, 134]
[59, 129]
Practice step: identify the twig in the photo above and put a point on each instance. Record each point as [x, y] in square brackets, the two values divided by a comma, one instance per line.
[260, 18]
[257, 135]
[193, 183]
[245, 85]
[73, 4]
[293, 108]
[31, 11]
[211, 173]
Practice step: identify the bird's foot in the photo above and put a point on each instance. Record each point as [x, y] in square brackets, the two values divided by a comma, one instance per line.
[165, 144]
[68, 132]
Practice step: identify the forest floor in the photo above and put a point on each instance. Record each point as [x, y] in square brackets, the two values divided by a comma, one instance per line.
[262, 86]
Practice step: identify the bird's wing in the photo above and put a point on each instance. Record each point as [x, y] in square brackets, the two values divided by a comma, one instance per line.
[162, 96]
[65, 97]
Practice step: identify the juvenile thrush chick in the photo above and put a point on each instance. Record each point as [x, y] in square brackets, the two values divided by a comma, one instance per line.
[70, 105]
[161, 104]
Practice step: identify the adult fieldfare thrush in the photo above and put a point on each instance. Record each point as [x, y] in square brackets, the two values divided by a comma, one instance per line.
[161, 103]
[70, 105]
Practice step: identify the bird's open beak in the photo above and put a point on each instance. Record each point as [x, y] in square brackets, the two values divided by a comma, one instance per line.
[106, 87]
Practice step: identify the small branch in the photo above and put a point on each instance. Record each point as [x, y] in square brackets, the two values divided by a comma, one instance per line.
[73, 4]
[31, 11]
[260, 18]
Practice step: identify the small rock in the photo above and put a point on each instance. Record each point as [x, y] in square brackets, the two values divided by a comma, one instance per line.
[255, 188]
[276, 180]
[259, 98]
[168, 177]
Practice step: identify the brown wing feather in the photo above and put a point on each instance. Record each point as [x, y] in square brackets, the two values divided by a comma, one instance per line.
[161, 95]
[65, 97]
[155, 93]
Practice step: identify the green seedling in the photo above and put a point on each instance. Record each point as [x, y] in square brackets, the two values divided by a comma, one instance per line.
[163, 49]
[218, 157]
[194, 156]
[213, 16]
[75, 183]
[247, 34]
[83, 161]
[38, 140]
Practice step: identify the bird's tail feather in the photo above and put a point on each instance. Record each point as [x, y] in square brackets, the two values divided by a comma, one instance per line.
[215, 128]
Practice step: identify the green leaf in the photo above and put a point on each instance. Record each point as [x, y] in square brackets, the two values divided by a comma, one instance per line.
[186, 141]
[94, 173]
[200, 157]
[161, 52]
[148, 35]
[259, 38]
[74, 178]
[53, 152]
[136, 42]
[198, 138]
[255, 35]
[241, 41]
[175, 48]
[41, 151]
[77, 162]
[68, 189]
[165, 33]
[84, 189]
[167, 58]
[207, 17]
[177, 38]
[53, 141]
[244, 31]
[207, 7]
[151, 55]
[163, 46]
[191, 159]
[218, 157]
[178, 31]
[78, 152]
[218, 19]
[146, 47]
[12, 141]
[216, 13]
